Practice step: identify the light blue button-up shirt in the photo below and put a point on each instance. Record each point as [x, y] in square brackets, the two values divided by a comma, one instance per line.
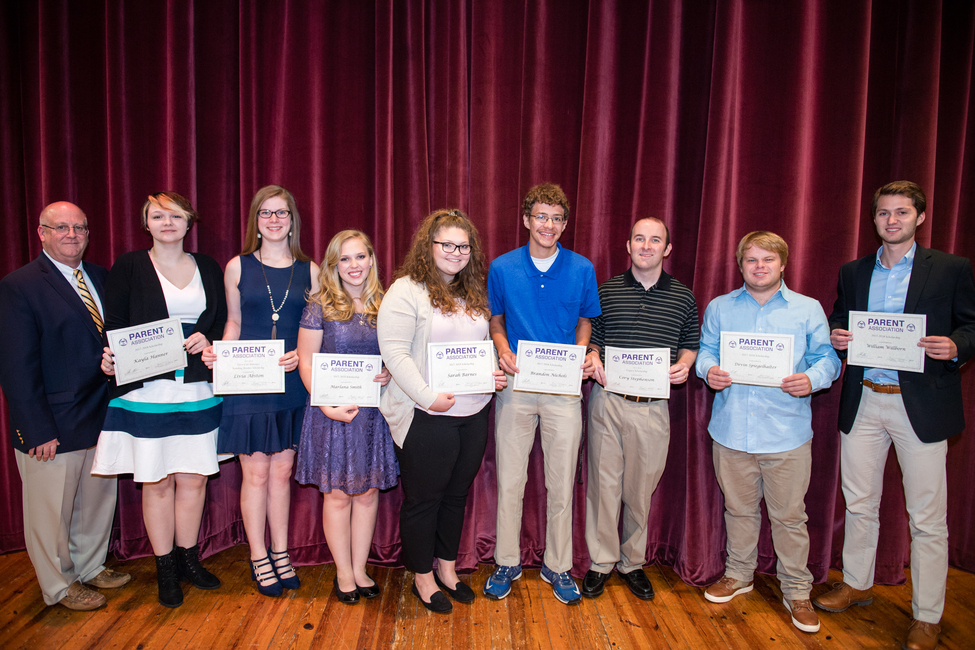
[763, 419]
[888, 293]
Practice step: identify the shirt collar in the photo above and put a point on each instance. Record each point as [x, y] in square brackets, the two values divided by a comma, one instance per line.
[663, 282]
[785, 292]
[907, 260]
[531, 270]
[64, 268]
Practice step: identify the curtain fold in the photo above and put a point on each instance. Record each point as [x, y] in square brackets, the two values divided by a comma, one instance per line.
[718, 116]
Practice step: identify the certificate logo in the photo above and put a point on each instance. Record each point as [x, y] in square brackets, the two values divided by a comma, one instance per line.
[481, 353]
[225, 353]
[732, 344]
[169, 331]
[270, 352]
[368, 367]
[616, 358]
[440, 355]
[861, 324]
[659, 360]
[572, 356]
[123, 343]
[325, 366]
[529, 353]
[910, 327]
[779, 347]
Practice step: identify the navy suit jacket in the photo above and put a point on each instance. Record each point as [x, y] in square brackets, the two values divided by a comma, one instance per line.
[50, 357]
[942, 287]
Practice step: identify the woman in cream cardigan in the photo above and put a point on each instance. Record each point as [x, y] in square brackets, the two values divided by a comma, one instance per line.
[439, 297]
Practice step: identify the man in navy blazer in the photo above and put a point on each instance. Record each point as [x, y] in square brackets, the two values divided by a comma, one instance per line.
[916, 411]
[51, 328]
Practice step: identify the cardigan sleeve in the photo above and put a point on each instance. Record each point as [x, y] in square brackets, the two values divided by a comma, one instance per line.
[398, 331]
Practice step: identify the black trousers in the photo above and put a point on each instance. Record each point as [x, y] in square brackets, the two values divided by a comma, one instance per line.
[437, 464]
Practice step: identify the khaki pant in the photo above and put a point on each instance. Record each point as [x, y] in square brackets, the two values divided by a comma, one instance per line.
[628, 445]
[68, 516]
[782, 478]
[516, 416]
[881, 419]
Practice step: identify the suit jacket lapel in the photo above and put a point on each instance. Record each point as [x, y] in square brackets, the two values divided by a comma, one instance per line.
[60, 284]
[864, 273]
[919, 277]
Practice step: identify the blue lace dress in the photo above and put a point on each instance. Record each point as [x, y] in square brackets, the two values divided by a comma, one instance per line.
[352, 457]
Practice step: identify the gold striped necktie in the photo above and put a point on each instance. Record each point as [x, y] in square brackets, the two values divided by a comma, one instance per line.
[89, 301]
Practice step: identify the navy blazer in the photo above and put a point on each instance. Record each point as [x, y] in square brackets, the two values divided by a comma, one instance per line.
[50, 358]
[941, 286]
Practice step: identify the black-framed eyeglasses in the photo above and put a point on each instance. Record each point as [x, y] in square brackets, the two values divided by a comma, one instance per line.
[63, 229]
[450, 247]
[280, 214]
[542, 219]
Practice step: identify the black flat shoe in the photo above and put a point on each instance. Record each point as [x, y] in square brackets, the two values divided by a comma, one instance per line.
[345, 597]
[461, 592]
[371, 591]
[594, 583]
[639, 584]
[438, 602]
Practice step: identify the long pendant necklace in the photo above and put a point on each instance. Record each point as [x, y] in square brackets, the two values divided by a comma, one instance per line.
[274, 311]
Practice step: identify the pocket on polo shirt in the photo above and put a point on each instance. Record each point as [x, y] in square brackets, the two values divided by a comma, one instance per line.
[565, 312]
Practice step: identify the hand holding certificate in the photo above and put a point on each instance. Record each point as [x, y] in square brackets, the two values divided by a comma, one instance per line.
[642, 372]
[461, 368]
[343, 379]
[248, 367]
[758, 359]
[890, 341]
[549, 368]
[147, 350]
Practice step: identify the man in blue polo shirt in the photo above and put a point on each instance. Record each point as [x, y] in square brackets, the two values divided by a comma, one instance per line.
[539, 292]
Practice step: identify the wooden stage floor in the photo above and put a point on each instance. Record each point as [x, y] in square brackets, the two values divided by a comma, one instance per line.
[236, 616]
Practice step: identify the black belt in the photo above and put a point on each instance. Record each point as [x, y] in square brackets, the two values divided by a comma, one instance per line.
[635, 398]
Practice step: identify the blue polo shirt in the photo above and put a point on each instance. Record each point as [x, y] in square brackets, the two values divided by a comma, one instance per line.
[544, 307]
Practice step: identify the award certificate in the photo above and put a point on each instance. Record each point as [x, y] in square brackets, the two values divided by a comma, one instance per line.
[461, 368]
[643, 372]
[757, 359]
[248, 367]
[549, 368]
[147, 350]
[890, 341]
[342, 379]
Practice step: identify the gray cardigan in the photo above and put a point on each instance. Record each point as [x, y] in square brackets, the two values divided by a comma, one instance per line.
[403, 327]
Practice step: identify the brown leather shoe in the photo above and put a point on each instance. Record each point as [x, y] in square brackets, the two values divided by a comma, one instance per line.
[727, 588]
[109, 579]
[81, 598]
[842, 596]
[922, 636]
[804, 616]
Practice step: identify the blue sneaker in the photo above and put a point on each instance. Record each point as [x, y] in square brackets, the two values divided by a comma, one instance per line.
[499, 584]
[563, 586]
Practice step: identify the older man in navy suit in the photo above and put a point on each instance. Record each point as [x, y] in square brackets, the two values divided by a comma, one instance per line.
[51, 327]
[916, 411]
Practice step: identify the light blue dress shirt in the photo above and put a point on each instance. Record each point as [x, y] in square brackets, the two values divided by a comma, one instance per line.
[763, 419]
[888, 293]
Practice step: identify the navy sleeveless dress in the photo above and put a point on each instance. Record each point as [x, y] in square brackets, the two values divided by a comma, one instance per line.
[271, 422]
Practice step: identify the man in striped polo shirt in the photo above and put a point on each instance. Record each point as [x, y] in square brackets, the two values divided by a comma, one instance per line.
[644, 307]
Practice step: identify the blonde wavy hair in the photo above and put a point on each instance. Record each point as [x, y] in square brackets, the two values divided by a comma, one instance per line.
[469, 286]
[333, 298]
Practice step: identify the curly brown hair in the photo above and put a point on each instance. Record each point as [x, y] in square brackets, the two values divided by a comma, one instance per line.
[547, 193]
[469, 287]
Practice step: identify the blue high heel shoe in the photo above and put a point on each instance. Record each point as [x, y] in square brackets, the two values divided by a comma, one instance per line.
[261, 572]
[282, 567]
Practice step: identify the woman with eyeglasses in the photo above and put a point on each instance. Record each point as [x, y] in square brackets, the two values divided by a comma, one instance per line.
[440, 296]
[163, 430]
[266, 287]
[346, 450]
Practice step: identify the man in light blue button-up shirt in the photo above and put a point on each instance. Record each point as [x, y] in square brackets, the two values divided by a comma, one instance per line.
[762, 434]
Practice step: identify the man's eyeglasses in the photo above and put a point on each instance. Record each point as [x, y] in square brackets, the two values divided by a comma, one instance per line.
[542, 219]
[281, 214]
[63, 229]
[450, 247]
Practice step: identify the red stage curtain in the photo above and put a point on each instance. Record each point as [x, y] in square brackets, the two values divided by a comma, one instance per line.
[719, 116]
